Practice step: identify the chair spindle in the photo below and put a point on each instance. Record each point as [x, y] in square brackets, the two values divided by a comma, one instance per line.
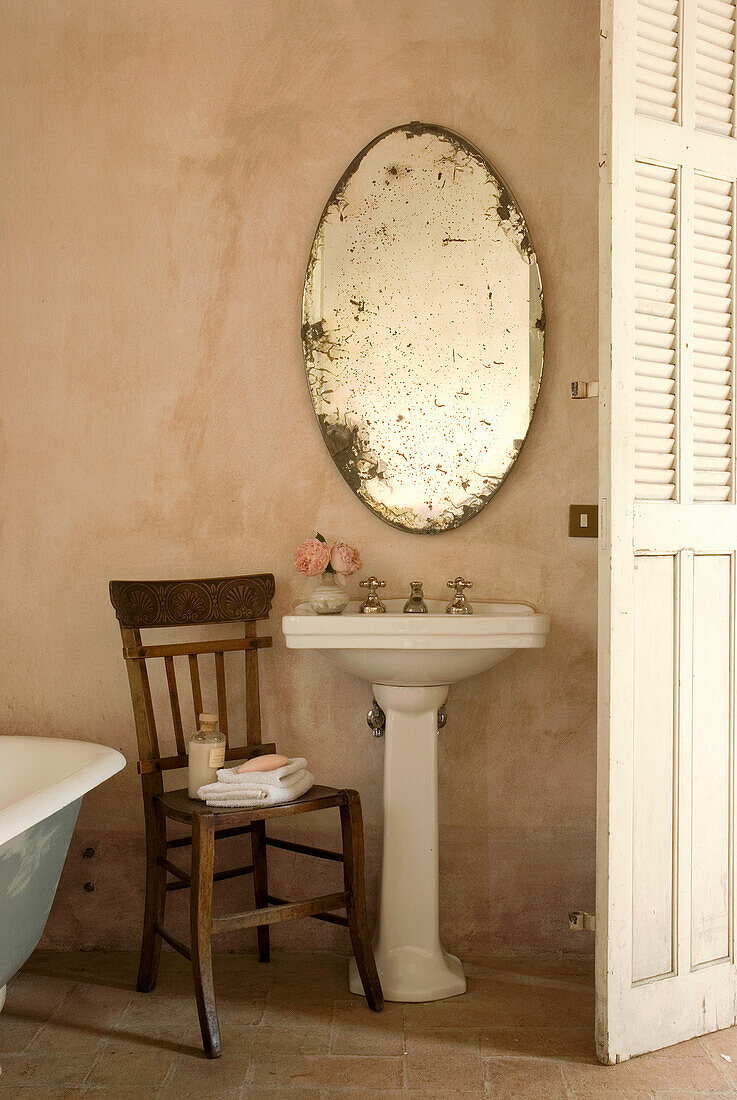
[176, 714]
[253, 702]
[222, 698]
[194, 675]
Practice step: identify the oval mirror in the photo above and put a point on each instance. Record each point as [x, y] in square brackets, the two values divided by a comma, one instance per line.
[423, 328]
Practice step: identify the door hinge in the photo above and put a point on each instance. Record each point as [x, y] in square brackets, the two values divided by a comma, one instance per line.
[582, 922]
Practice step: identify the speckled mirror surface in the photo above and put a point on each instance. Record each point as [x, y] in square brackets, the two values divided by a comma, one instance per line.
[423, 328]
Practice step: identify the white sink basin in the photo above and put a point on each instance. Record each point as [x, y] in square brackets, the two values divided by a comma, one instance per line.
[417, 650]
[411, 660]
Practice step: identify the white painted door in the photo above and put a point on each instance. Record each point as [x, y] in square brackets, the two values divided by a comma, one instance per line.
[666, 809]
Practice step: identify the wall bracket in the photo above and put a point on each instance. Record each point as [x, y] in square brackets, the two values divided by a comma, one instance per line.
[584, 389]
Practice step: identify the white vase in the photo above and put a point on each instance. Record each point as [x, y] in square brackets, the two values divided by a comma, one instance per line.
[329, 598]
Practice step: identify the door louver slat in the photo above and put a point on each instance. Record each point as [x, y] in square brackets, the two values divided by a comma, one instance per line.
[655, 331]
[715, 61]
[713, 336]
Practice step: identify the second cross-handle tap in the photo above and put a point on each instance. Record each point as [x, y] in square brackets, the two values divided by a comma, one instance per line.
[459, 605]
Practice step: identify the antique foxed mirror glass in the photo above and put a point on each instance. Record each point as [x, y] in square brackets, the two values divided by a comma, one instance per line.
[423, 328]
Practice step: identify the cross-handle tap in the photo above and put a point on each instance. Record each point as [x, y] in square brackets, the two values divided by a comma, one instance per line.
[459, 605]
[415, 605]
[372, 605]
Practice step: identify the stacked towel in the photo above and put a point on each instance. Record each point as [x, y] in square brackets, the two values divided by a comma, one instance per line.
[253, 790]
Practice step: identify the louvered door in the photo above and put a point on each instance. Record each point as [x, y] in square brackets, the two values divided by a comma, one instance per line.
[666, 792]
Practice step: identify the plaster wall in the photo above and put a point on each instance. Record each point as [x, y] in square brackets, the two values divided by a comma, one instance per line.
[164, 168]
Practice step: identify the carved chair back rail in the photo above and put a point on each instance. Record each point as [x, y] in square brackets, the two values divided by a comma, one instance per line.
[141, 605]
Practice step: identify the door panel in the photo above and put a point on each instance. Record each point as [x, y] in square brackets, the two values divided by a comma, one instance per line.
[653, 855]
[711, 747]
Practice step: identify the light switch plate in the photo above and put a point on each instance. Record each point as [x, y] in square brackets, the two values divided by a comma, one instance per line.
[583, 521]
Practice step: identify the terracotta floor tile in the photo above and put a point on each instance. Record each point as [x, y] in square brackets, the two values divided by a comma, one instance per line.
[251, 1093]
[630, 1094]
[150, 1009]
[443, 1061]
[388, 1094]
[119, 1091]
[200, 1077]
[678, 1095]
[297, 1012]
[488, 1003]
[569, 1044]
[61, 1093]
[52, 1038]
[258, 1041]
[35, 997]
[39, 1074]
[236, 1014]
[509, 1079]
[16, 1033]
[314, 990]
[328, 1071]
[356, 1030]
[250, 980]
[728, 1072]
[567, 967]
[127, 1063]
[96, 1008]
[682, 1067]
[544, 1003]
[721, 1043]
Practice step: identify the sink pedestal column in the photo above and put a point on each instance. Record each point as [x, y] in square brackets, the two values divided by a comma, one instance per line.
[410, 958]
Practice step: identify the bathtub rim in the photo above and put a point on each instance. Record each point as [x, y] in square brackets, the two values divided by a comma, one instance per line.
[101, 763]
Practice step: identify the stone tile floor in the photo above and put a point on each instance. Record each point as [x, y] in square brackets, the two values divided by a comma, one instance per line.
[73, 1026]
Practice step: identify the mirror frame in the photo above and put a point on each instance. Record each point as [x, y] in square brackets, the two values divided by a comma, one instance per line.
[340, 442]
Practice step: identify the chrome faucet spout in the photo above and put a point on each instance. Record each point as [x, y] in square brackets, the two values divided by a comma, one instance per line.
[415, 605]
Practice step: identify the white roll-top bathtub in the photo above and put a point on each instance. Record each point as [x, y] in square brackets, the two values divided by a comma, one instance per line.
[42, 782]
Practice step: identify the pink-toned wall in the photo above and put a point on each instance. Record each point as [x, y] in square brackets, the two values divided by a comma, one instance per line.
[164, 168]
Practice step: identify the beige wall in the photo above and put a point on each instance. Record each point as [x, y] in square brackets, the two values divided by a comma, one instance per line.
[164, 168]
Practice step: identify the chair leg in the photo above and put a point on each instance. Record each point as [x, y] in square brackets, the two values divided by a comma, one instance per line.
[200, 922]
[148, 967]
[351, 821]
[260, 885]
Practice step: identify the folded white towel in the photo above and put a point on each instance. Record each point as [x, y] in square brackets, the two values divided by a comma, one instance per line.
[253, 789]
[285, 776]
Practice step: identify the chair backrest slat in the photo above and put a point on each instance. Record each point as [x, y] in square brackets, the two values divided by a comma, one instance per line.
[176, 714]
[222, 699]
[194, 675]
[253, 702]
[142, 604]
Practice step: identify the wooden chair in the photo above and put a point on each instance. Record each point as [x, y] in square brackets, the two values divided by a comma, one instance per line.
[247, 599]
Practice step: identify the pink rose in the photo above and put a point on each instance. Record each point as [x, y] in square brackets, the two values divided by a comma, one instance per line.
[345, 559]
[311, 557]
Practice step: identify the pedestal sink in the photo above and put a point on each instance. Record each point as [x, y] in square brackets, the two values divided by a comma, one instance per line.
[411, 661]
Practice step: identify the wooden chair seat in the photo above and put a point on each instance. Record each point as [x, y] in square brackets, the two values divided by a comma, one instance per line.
[247, 599]
[178, 806]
